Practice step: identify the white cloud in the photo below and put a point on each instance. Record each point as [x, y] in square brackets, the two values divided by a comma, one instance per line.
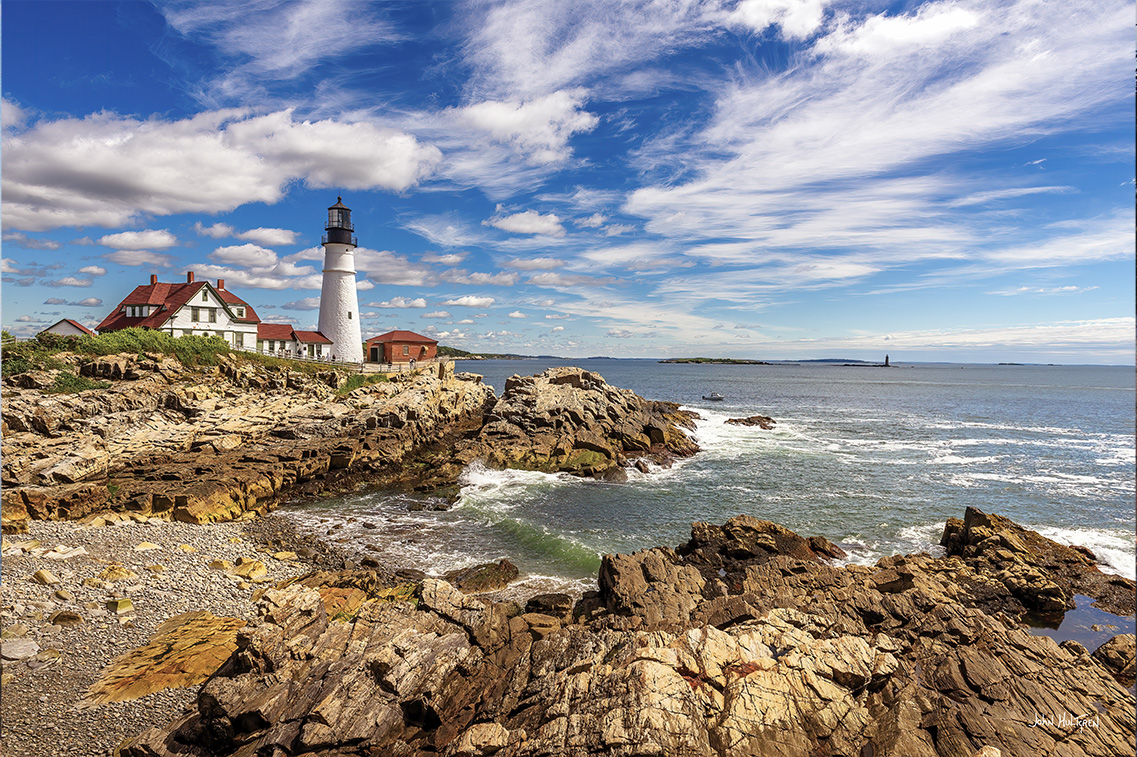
[534, 264]
[363, 285]
[259, 235]
[93, 270]
[90, 302]
[452, 258]
[216, 231]
[557, 316]
[528, 222]
[308, 303]
[140, 257]
[797, 19]
[470, 301]
[140, 240]
[436, 314]
[11, 114]
[399, 302]
[594, 221]
[9, 266]
[19, 239]
[465, 321]
[1044, 290]
[616, 229]
[553, 279]
[446, 230]
[68, 281]
[386, 267]
[111, 170]
[557, 328]
[247, 255]
[517, 314]
[538, 129]
[458, 276]
[55, 301]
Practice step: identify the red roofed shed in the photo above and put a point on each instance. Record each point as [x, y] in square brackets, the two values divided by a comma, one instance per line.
[401, 347]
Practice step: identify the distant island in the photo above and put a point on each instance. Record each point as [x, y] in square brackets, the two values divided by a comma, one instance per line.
[457, 354]
[714, 360]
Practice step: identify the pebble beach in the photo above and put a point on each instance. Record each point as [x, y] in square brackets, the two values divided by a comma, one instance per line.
[58, 636]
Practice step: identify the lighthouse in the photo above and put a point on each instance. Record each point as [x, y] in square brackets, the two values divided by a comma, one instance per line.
[339, 303]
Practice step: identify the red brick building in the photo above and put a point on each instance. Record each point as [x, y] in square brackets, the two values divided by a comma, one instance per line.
[400, 347]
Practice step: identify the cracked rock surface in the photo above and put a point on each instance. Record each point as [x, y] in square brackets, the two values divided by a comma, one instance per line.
[744, 641]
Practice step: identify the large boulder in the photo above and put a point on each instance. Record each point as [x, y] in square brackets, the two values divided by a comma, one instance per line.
[571, 420]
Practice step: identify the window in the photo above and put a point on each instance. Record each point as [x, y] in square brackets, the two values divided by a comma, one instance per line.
[240, 312]
[195, 314]
[260, 345]
[205, 295]
[406, 349]
[213, 315]
[238, 339]
[349, 315]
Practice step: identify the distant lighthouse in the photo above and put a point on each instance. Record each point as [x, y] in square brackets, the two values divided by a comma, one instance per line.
[339, 303]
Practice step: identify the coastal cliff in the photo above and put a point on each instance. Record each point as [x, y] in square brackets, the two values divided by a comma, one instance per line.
[743, 641]
[218, 443]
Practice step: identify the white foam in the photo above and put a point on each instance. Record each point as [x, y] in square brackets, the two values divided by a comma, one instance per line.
[1115, 550]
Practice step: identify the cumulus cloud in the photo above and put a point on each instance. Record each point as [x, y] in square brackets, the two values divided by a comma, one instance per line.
[90, 302]
[557, 328]
[19, 239]
[399, 302]
[55, 301]
[436, 314]
[156, 239]
[249, 255]
[308, 303]
[112, 170]
[261, 236]
[528, 222]
[9, 266]
[68, 281]
[517, 314]
[452, 258]
[470, 301]
[796, 19]
[140, 257]
[539, 129]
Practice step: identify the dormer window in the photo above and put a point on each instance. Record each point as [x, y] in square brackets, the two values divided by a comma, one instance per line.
[240, 312]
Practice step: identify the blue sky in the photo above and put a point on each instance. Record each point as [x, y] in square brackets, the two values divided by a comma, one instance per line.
[750, 178]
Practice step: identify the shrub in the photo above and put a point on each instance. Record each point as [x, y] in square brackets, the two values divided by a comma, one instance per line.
[190, 350]
[356, 380]
[70, 383]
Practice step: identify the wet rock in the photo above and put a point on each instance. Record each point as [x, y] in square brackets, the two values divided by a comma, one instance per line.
[761, 421]
[1118, 656]
[484, 577]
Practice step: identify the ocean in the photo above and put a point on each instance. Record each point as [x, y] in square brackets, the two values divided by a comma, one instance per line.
[874, 459]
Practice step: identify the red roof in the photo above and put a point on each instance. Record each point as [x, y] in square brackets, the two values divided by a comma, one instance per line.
[231, 299]
[167, 298]
[402, 336]
[274, 331]
[311, 337]
[76, 324]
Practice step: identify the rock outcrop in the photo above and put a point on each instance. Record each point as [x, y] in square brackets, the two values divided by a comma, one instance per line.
[205, 445]
[744, 641]
[571, 420]
[763, 422]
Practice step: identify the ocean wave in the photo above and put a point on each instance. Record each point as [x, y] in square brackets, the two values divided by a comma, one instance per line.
[1114, 549]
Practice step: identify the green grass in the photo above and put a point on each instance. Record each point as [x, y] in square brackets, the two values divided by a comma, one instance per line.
[356, 380]
[69, 383]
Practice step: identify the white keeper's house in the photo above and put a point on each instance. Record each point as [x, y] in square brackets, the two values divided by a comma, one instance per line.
[198, 308]
[195, 308]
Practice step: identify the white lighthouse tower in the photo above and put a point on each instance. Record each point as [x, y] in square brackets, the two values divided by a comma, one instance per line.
[339, 303]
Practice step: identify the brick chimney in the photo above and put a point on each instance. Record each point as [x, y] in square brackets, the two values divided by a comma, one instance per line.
[153, 279]
[221, 283]
[189, 277]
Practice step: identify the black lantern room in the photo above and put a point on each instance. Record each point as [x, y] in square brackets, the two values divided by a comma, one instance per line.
[339, 226]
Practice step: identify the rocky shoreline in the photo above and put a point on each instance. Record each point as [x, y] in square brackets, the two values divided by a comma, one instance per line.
[149, 629]
[217, 444]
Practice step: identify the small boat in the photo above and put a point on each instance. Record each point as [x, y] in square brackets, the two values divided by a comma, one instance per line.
[714, 397]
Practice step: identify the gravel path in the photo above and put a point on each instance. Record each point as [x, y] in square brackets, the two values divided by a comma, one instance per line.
[48, 667]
